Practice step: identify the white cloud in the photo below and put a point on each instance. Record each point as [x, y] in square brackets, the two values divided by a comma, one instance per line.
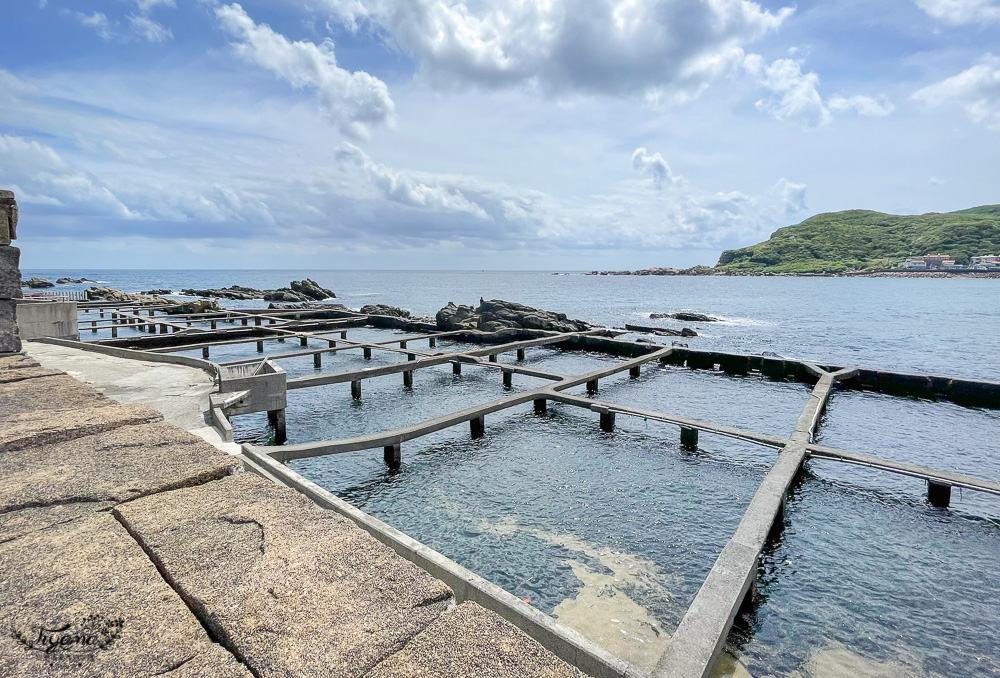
[795, 93]
[43, 173]
[862, 105]
[404, 189]
[976, 90]
[97, 21]
[352, 101]
[958, 12]
[655, 167]
[150, 30]
[662, 49]
[147, 6]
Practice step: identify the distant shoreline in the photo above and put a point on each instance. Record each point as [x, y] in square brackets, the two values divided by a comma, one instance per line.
[771, 274]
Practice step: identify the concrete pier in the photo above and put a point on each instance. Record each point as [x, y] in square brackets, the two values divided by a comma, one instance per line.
[689, 438]
[541, 405]
[393, 456]
[477, 427]
[939, 494]
[356, 389]
[607, 421]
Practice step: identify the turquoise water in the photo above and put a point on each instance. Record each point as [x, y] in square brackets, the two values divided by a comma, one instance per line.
[866, 579]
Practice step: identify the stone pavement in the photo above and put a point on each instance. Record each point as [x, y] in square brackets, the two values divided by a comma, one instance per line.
[129, 547]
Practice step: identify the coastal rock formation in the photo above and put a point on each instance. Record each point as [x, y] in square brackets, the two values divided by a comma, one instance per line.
[297, 291]
[694, 270]
[36, 283]
[382, 309]
[495, 315]
[662, 331]
[156, 293]
[10, 275]
[687, 316]
[111, 294]
[73, 281]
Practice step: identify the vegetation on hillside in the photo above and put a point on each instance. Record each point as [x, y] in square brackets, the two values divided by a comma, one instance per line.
[857, 240]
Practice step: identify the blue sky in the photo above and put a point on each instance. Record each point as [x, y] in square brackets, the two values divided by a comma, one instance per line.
[565, 134]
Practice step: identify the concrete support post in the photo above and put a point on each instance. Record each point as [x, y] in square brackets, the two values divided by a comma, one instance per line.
[277, 419]
[93, 327]
[541, 404]
[260, 347]
[402, 344]
[331, 343]
[102, 312]
[477, 427]
[607, 421]
[114, 331]
[493, 357]
[634, 371]
[592, 386]
[256, 322]
[204, 352]
[393, 456]
[163, 328]
[317, 360]
[188, 323]
[367, 350]
[689, 438]
[938, 494]
[303, 341]
[520, 354]
[456, 368]
[343, 335]
[282, 339]
[175, 329]
[244, 320]
[432, 342]
[508, 379]
[356, 389]
[271, 321]
[152, 313]
[408, 379]
[212, 324]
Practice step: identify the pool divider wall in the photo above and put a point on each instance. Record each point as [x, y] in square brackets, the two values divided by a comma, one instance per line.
[565, 643]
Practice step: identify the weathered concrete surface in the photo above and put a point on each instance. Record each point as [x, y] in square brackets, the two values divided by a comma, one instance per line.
[180, 393]
[471, 641]
[10, 273]
[58, 392]
[291, 589]
[33, 428]
[10, 339]
[47, 319]
[88, 579]
[117, 465]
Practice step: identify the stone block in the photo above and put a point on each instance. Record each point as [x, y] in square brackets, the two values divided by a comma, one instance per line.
[58, 392]
[10, 376]
[118, 465]
[86, 592]
[10, 273]
[10, 337]
[46, 427]
[472, 641]
[291, 589]
[17, 362]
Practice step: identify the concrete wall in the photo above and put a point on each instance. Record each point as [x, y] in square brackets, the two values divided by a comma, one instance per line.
[37, 319]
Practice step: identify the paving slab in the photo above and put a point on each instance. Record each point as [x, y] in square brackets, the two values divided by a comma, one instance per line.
[117, 465]
[472, 641]
[289, 588]
[12, 375]
[82, 599]
[14, 524]
[16, 361]
[45, 427]
[57, 392]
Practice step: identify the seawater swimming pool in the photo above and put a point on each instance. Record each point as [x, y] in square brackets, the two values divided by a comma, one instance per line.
[614, 533]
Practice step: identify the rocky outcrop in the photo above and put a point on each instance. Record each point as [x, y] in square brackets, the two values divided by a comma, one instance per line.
[694, 270]
[73, 281]
[662, 331]
[495, 315]
[36, 283]
[297, 291]
[382, 309]
[157, 293]
[688, 316]
[111, 294]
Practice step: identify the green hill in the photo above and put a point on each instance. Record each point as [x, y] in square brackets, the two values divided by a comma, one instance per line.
[857, 240]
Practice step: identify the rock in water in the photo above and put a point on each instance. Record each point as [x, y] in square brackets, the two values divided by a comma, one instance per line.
[311, 290]
[382, 309]
[688, 316]
[35, 283]
[495, 315]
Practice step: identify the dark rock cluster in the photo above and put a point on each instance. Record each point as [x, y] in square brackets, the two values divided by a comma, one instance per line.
[73, 281]
[688, 316]
[495, 315]
[297, 291]
[36, 283]
[382, 309]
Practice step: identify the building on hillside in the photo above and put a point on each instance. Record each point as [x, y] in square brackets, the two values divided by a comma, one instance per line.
[930, 262]
[986, 262]
[915, 264]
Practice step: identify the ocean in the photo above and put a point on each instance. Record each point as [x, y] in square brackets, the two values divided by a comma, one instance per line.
[613, 533]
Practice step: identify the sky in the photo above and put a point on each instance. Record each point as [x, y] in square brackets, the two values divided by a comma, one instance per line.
[511, 134]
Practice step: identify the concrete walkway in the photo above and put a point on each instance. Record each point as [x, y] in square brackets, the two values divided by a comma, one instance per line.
[179, 393]
[130, 548]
